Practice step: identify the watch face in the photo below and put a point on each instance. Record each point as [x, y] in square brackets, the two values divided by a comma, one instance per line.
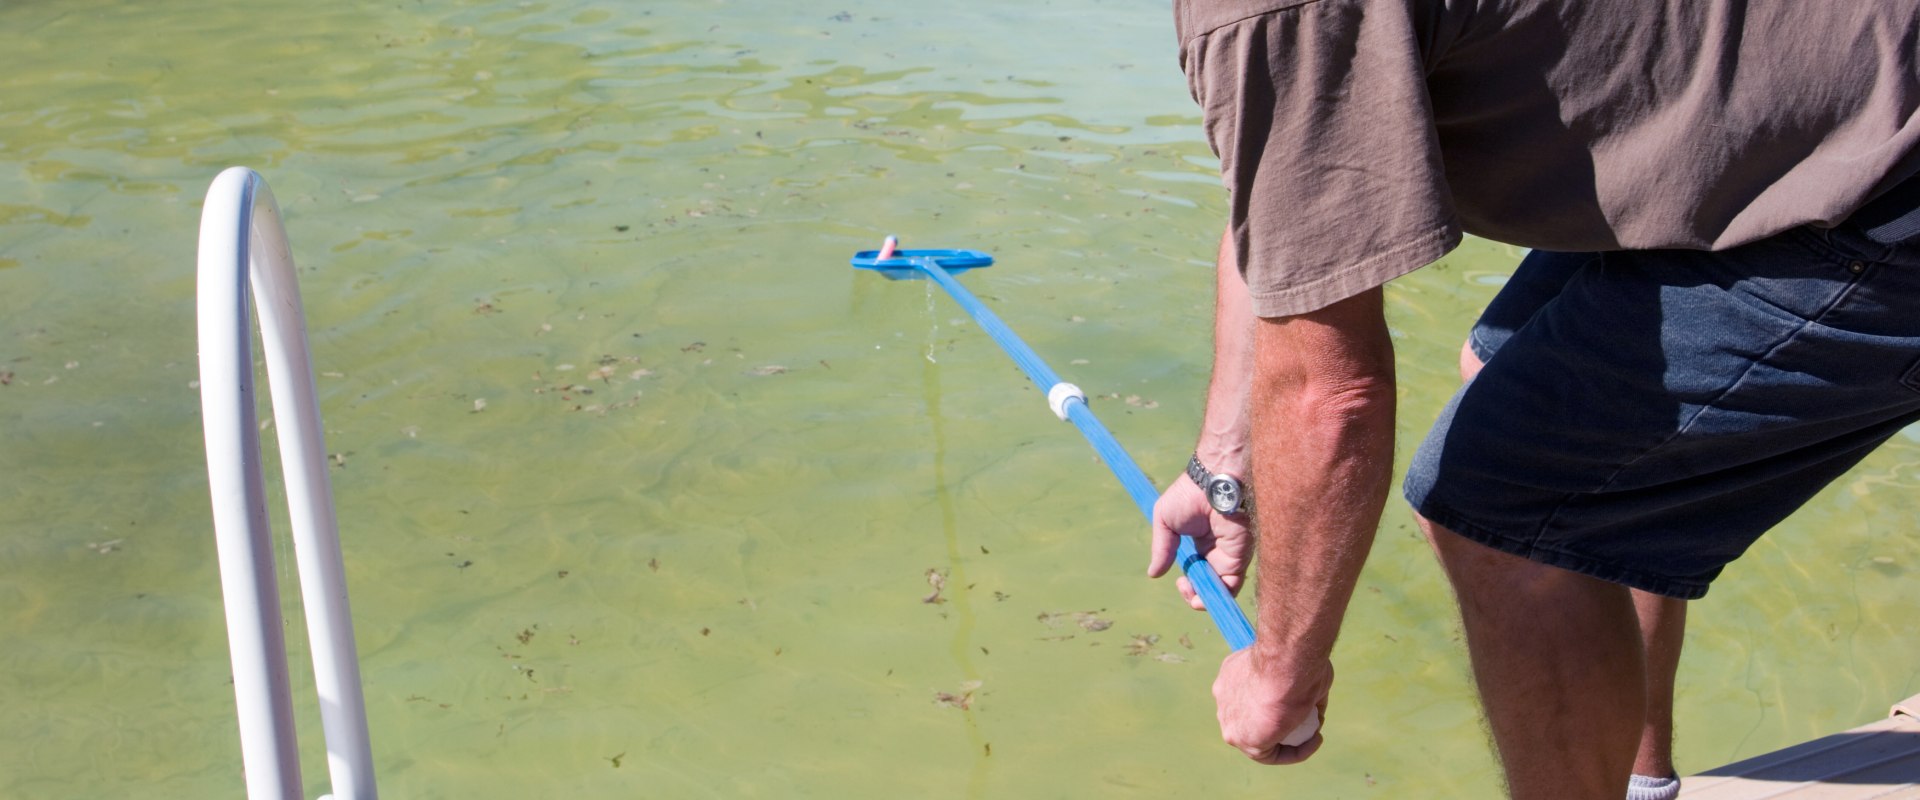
[1223, 493]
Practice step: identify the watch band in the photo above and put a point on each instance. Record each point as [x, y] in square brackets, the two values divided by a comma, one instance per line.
[1205, 479]
[1198, 472]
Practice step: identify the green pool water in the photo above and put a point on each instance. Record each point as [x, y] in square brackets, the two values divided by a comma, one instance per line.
[640, 486]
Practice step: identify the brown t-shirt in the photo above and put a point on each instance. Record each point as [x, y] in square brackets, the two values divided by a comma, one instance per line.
[1359, 138]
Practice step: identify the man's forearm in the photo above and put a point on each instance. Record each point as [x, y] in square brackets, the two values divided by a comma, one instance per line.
[1223, 445]
[1322, 413]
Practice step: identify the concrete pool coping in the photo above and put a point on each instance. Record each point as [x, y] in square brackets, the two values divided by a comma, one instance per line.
[1879, 760]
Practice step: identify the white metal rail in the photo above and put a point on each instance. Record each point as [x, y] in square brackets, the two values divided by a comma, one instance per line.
[242, 244]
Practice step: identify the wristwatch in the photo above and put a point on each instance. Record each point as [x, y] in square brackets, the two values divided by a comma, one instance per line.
[1224, 492]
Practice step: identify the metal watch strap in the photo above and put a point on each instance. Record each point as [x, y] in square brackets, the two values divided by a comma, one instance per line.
[1202, 477]
[1198, 472]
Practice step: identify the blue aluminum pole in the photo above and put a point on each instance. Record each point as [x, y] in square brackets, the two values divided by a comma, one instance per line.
[1071, 404]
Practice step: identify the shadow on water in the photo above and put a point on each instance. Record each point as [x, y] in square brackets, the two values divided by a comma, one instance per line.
[955, 577]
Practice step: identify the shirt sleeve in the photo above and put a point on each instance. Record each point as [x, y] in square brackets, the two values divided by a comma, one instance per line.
[1318, 110]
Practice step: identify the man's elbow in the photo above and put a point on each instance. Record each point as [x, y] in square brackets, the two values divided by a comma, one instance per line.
[1363, 399]
[1331, 363]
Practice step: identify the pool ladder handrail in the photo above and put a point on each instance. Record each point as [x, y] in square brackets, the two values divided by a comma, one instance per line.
[242, 245]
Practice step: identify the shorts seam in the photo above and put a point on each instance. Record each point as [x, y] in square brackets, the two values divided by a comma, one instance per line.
[1738, 382]
[1911, 379]
[1681, 429]
[1444, 516]
[1480, 348]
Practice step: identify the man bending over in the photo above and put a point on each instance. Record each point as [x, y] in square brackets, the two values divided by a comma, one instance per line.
[1721, 315]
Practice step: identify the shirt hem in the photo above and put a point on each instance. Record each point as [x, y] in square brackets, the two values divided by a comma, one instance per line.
[1190, 22]
[1352, 280]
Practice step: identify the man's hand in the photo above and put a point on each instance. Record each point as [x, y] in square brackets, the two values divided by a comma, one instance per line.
[1226, 543]
[1260, 701]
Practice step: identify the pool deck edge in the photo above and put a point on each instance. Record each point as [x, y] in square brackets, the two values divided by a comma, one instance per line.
[1879, 760]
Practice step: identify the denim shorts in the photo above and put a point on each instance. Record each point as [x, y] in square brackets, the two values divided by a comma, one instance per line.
[1644, 416]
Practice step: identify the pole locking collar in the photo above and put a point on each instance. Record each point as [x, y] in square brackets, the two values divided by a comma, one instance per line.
[1058, 396]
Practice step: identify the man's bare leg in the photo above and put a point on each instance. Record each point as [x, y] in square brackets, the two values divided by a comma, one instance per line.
[1557, 658]
[1663, 627]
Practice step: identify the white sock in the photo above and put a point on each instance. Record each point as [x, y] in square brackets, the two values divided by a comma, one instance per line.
[1641, 787]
